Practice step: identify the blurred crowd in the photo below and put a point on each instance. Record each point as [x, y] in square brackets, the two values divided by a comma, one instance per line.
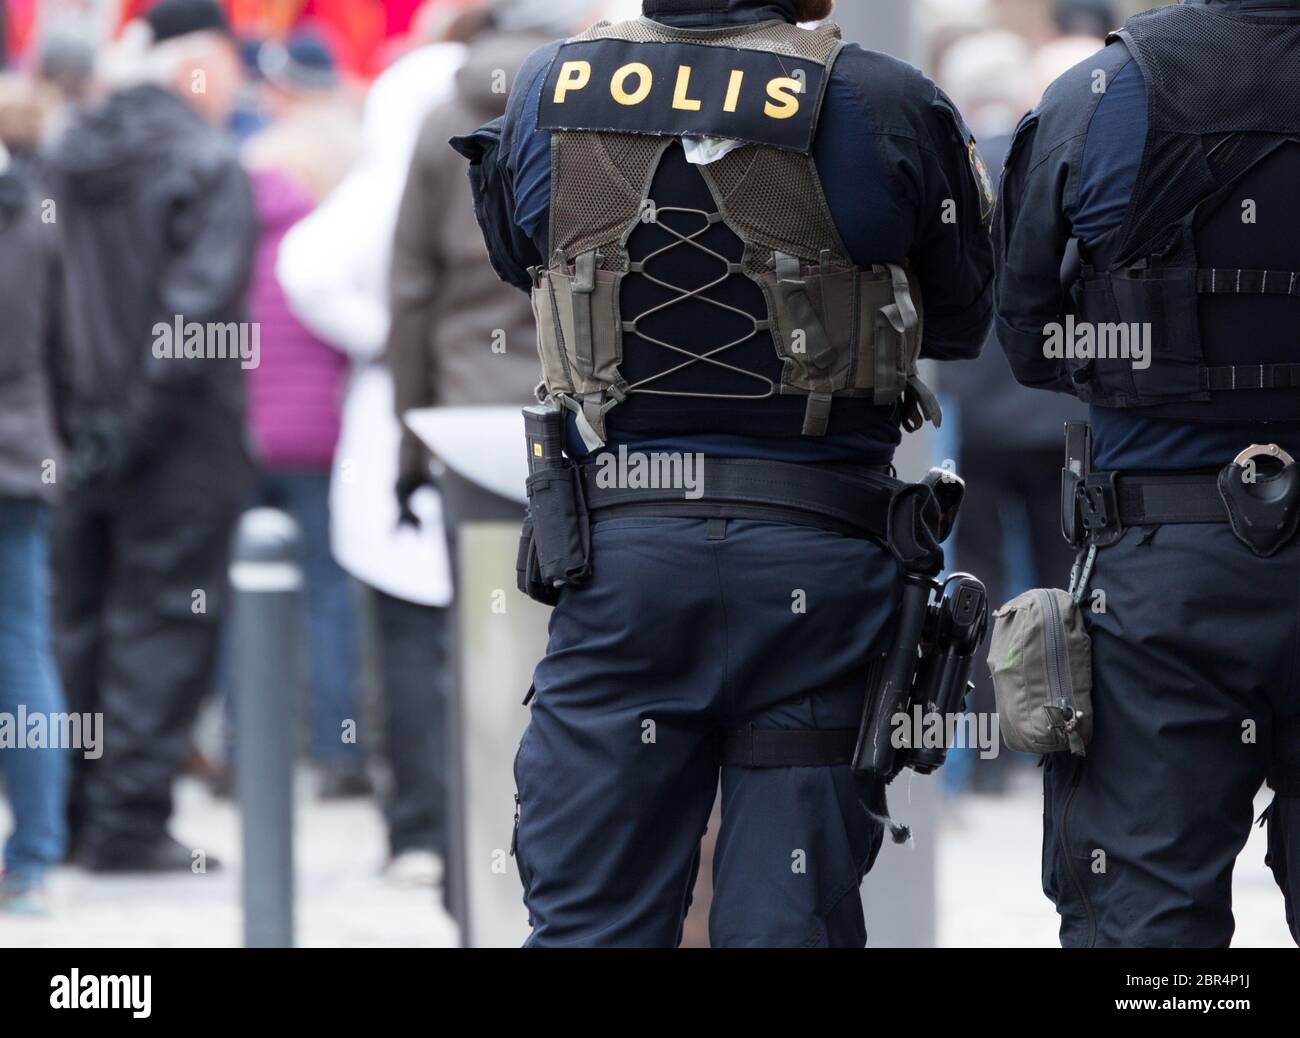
[234, 249]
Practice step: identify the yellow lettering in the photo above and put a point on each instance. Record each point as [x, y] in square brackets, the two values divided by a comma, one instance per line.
[733, 91]
[681, 101]
[784, 91]
[645, 80]
[574, 75]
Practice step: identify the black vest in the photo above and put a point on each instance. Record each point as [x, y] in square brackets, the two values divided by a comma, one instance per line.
[1207, 260]
[683, 298]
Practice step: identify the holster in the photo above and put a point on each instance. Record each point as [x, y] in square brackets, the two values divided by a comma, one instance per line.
[555, 546]
[921, 517]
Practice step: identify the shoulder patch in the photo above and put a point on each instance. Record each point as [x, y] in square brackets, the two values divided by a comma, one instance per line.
[984, 182]
[684, 89]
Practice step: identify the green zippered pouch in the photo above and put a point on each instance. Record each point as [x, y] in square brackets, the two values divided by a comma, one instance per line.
[1040, 656]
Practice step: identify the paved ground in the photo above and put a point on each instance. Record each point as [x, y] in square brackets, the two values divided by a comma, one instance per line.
[990, 891]
[342, 899]
[988, 886]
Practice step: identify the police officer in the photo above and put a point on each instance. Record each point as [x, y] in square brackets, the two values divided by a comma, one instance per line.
[733, 229]
[1171, 159]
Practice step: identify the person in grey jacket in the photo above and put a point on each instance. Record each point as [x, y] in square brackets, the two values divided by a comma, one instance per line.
[458, 336]
[35, 775]
[158, 234]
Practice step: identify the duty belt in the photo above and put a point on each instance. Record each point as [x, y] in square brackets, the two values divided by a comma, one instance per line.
[1262, 509]
[1112, 502]
[852, 500]
[911, 519]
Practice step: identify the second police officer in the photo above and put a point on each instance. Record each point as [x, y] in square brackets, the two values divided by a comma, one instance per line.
[1171, 158]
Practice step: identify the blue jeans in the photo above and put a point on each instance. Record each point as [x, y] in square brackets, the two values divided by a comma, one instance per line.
[36, 779]
[332, 627]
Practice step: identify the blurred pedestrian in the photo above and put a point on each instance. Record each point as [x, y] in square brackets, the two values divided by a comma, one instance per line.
[334, 268]
[296, 393]
[1008, 438]
[302, 85]
[459, 337]
[35, 777]
[1095, 18]
[158, 232]
[65, 65]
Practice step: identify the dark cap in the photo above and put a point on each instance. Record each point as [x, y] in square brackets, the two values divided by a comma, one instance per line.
[304, 62]
[171, 18]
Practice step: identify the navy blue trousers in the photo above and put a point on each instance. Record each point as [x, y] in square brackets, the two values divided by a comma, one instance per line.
[1196, 672]
[684, 631]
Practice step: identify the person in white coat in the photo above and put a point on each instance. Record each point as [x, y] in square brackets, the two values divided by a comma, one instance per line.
[334, 269]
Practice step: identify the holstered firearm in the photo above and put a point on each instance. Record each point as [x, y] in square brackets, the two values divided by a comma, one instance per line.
[959, 621]
[875, 754]
[940, 627]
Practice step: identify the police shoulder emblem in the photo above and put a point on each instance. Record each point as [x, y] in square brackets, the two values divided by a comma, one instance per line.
[988, 197]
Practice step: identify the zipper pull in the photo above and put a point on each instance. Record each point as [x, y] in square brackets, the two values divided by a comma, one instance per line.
[1071, 728]
[514, 834]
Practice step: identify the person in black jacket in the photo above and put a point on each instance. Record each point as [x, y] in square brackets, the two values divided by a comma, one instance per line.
[158, 232]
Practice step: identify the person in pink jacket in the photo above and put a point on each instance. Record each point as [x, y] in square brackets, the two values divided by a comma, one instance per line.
[295, 395]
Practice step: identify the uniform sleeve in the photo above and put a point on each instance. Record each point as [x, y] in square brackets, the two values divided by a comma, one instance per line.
[508, 248]
[493, 176]
[1032, 237]
[952, 253]
[1051, 196]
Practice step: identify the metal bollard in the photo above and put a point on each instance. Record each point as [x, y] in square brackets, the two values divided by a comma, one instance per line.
[267, 582]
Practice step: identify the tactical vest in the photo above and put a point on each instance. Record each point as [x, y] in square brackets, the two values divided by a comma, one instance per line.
[615, 100]
[1224, 123]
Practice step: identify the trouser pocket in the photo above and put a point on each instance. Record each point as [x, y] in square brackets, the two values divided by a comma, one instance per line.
[516, 841]
[1067, 871]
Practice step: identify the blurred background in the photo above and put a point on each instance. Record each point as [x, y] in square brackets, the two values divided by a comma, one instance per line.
[340, 731]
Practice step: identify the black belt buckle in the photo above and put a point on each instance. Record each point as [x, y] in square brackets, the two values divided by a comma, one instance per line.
[1264, 510]
[1099, 507]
